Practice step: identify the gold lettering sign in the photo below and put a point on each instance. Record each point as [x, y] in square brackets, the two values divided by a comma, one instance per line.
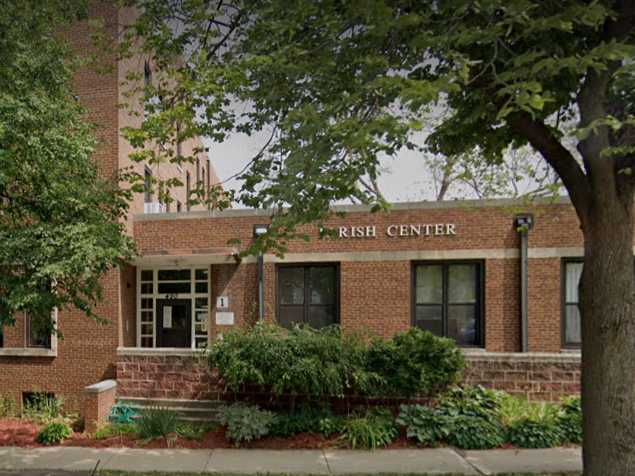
[399, 230]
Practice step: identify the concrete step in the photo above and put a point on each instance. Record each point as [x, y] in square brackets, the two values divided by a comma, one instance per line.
[186, 410]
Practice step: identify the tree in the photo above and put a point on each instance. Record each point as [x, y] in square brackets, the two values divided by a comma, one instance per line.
[343, 82]
[60, 221]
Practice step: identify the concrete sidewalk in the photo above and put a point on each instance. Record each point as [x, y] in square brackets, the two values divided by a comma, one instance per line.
[420, 461]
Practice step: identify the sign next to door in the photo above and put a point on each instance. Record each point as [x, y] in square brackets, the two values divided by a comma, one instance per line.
[398, 231]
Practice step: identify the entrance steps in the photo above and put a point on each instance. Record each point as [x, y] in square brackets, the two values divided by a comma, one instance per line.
[186, 410]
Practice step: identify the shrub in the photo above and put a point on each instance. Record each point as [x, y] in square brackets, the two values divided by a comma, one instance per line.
[569, 420]
[304, 419]
[332, 424]
[534, 433]
[513, 409]
[156, 422]
[245, 422]
[472, 401]
[325, 362]
[116, 429]
[475, 433]
[8, 407]
[424, 424]
[371, 431]
[54, 433]
[416, 362]
[43, 407]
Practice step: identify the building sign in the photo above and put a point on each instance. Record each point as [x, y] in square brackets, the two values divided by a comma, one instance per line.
[167, 317]
[225, 318]
[222, 302]
[398, 231]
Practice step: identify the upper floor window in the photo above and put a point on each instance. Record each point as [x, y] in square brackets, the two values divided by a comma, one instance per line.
[308, 294]
[147, 185]
[147, 73]
[36, 335]
[188, 190]
[572, 332]
[448, 300]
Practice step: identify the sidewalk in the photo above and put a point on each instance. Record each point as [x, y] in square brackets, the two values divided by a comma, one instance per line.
[424, 461]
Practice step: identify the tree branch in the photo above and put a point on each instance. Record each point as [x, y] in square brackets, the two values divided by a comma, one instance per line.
[565, 165]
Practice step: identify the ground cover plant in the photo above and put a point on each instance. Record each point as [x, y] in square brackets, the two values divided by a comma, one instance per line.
[246, 422]
[54, 433]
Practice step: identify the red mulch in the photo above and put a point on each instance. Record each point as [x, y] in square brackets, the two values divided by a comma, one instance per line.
[16, 432]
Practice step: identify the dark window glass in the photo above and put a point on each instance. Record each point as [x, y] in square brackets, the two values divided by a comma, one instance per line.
[146, 275]
[147, 185]
[174, 288]
[201, 288]
[447, 301]
[37, 335]
[572, 323]
[175, 275]
[307, 295]
[201, 274]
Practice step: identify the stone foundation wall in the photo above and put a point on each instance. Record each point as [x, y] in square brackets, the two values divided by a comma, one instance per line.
[536, 376]
[178, 374]
[185, 375]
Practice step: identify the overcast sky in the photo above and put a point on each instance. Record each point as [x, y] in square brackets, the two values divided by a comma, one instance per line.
[403, 178]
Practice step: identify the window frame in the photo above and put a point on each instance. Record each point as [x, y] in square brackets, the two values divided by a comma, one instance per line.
[563, 302]
[307, 302]
[480, 296]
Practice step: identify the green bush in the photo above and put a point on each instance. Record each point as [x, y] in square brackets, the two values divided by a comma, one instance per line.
[332, 424]
[43, 407]
[54, 433]
[416, 362]
[534, 433]
[326, 362]
[475, 433]
[115, 429]
[8, 407]
[156, 422]
[304, 419]
[374, 430]
[472, 401]
[424, 424]
[569, 420]
[246, 422]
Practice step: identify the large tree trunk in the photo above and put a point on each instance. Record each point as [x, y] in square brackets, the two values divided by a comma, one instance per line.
[608, 338]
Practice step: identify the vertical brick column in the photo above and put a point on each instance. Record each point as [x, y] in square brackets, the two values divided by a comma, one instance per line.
[98, 400]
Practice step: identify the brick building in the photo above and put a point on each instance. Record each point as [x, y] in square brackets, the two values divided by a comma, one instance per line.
[470, 270]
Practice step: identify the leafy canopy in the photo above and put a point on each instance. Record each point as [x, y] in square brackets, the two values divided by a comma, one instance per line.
[60, 227]
[340, 84]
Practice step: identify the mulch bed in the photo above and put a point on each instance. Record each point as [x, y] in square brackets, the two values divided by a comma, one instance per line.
[17, 432]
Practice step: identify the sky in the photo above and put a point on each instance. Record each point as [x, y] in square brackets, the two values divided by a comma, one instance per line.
[403, 178]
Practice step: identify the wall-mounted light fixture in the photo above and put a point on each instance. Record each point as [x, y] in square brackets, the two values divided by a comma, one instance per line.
[260, 230]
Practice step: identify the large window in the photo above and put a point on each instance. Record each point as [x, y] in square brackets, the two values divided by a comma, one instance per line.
[572, 332]
[308, 295]
[447, 300]
[37, 336]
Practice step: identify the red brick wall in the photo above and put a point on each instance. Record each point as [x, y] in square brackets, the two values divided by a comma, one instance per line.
[86, 353]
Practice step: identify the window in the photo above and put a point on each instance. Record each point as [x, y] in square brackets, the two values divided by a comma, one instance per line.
[147, 74]
[447, 300]
[198, 171]
[571, 332]
[188, 188]
[37, 336]
[179, 207]
[147, 185]
[308, 295]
